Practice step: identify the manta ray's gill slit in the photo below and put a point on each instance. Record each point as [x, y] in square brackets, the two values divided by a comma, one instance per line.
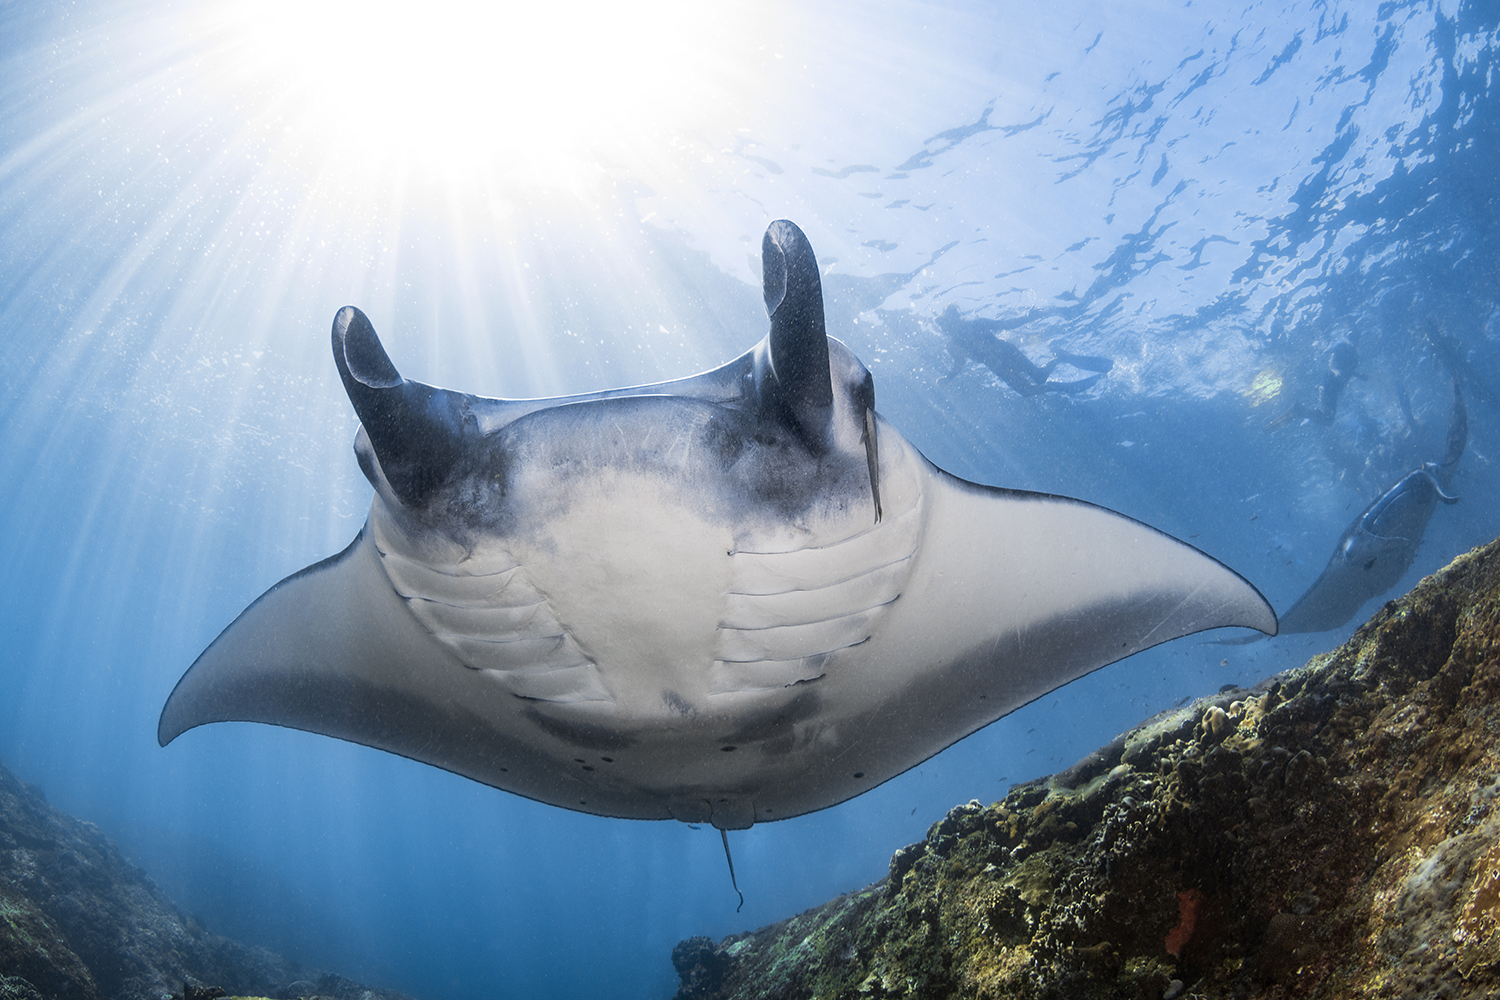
[471, 605]
[829, 575]
[568, 686]
[727, 626]
[788, 643]
[412, 579]
[761, 689]
[887, 529]
[502, 624]
[861, 575]
[466, 574]
[553, 669]
[732, 677]
[409, 572]
[550, 641]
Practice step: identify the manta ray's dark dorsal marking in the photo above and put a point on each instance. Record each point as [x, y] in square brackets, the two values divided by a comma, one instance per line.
[735, 597]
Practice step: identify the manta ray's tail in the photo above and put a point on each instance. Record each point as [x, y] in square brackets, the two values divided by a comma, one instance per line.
[724, 834]
[1458, 439]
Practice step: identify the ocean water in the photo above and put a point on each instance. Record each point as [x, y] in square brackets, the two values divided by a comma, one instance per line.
[536, 203]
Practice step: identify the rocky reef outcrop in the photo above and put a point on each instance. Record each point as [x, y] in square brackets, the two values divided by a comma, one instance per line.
[80, 922]
[1332, 833]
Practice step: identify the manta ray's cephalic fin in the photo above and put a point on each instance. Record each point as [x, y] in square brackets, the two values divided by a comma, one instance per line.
[792, 365]
[417, 430]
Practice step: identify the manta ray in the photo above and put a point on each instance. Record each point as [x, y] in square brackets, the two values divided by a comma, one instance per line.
[732, 598]
[1379, 546]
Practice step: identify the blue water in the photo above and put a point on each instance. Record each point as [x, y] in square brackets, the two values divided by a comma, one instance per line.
[1210, 198]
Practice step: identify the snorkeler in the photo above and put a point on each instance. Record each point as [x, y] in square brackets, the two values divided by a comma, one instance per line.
[978, 340]
[1343, 360]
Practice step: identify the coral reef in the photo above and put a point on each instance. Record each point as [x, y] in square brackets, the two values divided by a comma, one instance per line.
[1332, 833]
[80, 922]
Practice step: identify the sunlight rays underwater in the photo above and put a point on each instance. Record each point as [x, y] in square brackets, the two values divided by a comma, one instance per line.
[571, 198]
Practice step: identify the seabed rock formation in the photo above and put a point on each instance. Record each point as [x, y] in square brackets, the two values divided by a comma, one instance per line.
[1333, 832]
[80, 922]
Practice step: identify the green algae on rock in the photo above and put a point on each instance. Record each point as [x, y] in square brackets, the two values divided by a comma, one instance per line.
[1334, 832]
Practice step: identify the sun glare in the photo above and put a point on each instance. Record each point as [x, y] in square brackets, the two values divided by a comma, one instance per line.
[455, 86]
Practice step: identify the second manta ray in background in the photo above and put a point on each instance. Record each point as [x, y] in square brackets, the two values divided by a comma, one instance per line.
[1380, 545]
[732, 598]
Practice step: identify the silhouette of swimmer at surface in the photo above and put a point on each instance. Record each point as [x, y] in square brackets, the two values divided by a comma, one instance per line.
[978, 340]
[1343, 359]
